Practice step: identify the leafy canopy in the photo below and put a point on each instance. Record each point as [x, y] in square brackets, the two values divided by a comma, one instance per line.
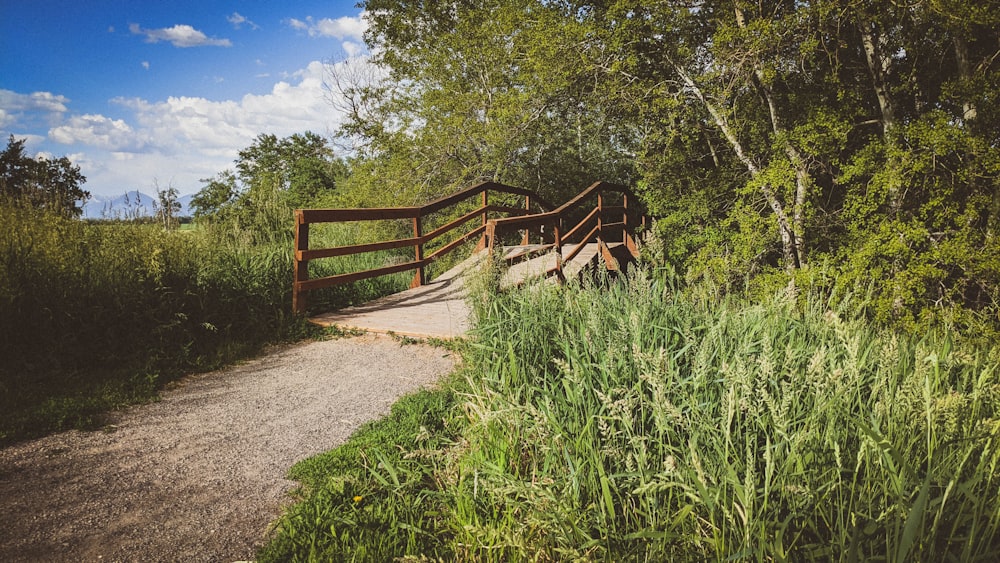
[40, 182]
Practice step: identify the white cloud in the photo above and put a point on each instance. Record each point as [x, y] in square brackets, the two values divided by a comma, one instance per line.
[180, 35]
[181, 139]
[29, 111]
[238, 20]
[145, 65]
[37, 101]
[352, 49]
[341, 28]
[97, 131]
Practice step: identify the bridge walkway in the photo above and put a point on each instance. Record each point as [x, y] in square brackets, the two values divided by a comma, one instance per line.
[439, 309]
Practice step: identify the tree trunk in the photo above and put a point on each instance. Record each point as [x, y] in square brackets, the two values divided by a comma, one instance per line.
[879, 65]
[803, 179]
[785, 227]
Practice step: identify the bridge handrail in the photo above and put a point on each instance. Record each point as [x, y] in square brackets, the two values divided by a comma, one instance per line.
[556, 217]
[305, 217]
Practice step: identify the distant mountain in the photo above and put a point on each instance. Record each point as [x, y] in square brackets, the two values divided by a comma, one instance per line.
[129, 205]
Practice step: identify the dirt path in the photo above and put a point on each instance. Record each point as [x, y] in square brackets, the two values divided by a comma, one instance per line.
[200, 475]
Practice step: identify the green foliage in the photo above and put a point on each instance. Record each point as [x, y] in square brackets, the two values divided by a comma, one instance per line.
[376, 496]
[273, 176]
[634, 421]
[501, 96]
[97, 315]
[41, 183]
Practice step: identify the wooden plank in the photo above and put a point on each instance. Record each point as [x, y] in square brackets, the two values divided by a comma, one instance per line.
[301, 273]
[358, 214]
[356, 276]
[580, 225]
[484, 186]
[457, 222]
[437, 309]
[455, 243]
[579, 247]
[353, 249]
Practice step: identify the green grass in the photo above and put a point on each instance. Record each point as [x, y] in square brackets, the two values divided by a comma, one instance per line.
[376, 496]
[99, 315]
[630, 421]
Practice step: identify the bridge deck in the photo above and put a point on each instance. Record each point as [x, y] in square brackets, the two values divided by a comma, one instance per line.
[438, 309]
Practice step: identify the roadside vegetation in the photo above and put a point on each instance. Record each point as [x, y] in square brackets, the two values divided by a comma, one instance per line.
[633, 420]
[97, 315]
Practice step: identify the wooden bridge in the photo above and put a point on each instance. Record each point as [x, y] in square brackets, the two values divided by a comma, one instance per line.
[536, 240]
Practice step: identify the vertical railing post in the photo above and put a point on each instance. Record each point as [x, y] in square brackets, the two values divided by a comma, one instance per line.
[600, 217]
[627, 237]
[301, 273]
[557, 242]
[527, 230]
[484, 241]
[625, 218]
[418, 251]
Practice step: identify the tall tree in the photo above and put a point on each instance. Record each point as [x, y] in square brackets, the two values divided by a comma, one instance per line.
[43, 183]
[480, 90]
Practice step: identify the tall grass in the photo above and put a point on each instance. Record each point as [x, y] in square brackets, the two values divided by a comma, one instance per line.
[629, 421]
[97, 315]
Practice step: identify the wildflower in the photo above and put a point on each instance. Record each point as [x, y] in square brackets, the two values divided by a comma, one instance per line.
[358, 499]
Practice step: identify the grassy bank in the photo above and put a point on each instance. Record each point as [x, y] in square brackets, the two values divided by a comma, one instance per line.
[633, 422]
[99, 315]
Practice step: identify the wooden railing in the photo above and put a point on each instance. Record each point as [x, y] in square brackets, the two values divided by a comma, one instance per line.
[606, 224]
[306, 217]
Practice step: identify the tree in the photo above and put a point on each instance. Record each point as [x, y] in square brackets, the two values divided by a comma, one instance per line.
[499, 96]
[770, 136]
[168, 207]
[303, 165]
[272, 176]
[217, 193]
[42, 183]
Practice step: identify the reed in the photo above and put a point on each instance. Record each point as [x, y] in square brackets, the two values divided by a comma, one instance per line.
[98, 315]
[632, 421]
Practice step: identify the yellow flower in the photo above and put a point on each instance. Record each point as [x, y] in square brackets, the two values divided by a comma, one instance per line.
[358, 499]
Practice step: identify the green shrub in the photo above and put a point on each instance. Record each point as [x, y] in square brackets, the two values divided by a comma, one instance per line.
[101, 314]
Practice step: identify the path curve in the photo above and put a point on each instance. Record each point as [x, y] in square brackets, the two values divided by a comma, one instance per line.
[200, 475]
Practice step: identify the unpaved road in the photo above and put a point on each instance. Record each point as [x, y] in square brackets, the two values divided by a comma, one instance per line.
[200, 475]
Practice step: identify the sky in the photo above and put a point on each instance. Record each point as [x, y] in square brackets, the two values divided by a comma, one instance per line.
[143, 94]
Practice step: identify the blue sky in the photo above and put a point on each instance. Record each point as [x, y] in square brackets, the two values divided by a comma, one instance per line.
[146, 93]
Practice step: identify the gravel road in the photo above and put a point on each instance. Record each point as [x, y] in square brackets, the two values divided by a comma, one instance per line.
[200, 475]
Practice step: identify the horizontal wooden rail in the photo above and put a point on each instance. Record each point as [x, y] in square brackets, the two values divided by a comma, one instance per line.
[555, 219]
[305, 217]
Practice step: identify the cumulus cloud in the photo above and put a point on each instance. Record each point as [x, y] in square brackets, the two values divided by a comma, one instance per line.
[238, 20]
[38, 101]
[145, 65]
[340, 28]
[27, 111]
[183, 139]
[180, 35]
[97, 131]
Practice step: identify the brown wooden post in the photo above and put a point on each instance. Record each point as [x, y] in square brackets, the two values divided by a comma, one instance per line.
[600, 217]
[625, 218]
[527, 211]
[301, 266]
[557, 236]
[418, 250]
[484, 241]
